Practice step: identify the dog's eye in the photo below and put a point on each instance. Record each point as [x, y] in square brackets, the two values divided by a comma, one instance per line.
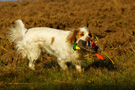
[82, 34]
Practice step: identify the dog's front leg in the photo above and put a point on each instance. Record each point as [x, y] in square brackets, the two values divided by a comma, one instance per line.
[78, 66]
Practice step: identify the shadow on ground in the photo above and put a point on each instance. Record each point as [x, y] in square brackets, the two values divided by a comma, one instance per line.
[106, 63]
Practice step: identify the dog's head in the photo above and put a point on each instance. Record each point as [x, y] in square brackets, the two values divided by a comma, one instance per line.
[79, 34]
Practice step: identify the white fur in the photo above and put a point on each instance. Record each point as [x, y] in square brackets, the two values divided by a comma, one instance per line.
[31, 42]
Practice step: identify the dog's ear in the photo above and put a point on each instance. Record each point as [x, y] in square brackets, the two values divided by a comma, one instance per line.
[72, 36]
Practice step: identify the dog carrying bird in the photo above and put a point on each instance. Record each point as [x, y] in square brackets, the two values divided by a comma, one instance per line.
[30, 43]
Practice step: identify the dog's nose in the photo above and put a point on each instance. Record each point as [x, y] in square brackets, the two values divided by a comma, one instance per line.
[88, 38]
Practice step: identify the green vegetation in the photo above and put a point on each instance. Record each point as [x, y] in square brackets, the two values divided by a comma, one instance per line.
[112, 21]
[98, 74]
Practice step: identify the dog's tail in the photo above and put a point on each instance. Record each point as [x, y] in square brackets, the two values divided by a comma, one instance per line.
[17, 33]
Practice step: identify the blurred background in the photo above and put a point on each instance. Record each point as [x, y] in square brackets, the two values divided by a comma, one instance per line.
[112, 21]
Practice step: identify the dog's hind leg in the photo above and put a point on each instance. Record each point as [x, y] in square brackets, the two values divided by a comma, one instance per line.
[32, 64]
[33, 56]
[62, 64]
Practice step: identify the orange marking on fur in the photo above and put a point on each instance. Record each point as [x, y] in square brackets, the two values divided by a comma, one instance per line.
[26, 31]
[75, 35]
[72, 36]
[79, 34]
[52, 40]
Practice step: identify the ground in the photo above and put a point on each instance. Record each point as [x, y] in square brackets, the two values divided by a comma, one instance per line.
[112, 21]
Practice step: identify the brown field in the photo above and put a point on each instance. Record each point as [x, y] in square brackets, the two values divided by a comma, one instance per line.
[112, 21]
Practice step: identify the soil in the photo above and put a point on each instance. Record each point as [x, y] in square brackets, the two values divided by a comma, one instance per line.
[112, 21]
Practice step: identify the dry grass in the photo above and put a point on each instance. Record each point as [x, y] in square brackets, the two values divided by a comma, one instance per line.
[111, 20]
[98, 75]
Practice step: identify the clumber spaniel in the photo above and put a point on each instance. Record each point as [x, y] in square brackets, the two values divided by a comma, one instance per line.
[59, 43]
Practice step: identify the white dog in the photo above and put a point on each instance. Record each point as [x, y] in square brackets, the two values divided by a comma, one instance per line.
[59, 43]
